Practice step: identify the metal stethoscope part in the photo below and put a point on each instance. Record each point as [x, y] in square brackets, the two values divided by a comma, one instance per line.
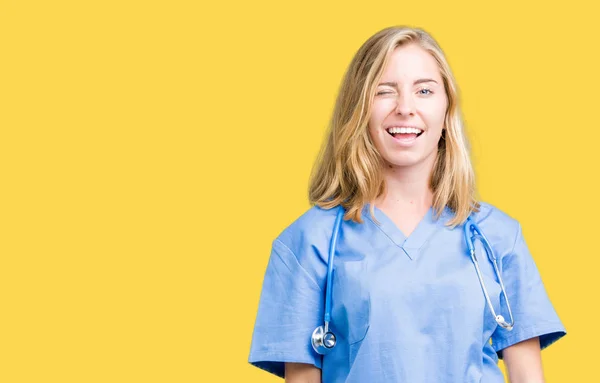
[323, 340]
[472, 232]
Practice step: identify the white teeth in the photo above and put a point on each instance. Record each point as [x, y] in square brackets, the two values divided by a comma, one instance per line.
[404, 130]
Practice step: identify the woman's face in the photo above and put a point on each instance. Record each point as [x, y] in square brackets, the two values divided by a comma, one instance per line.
[411, 94]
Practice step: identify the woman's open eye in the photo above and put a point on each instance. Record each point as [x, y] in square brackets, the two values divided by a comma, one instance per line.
[421, 90]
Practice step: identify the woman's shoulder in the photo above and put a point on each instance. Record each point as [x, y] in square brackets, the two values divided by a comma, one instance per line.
[309, 233]
[494, 214]
[496, 223]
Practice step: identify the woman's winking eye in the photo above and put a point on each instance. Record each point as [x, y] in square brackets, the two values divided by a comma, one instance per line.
[422, 89]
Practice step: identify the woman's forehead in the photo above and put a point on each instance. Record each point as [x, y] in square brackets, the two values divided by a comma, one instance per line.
[410, 63]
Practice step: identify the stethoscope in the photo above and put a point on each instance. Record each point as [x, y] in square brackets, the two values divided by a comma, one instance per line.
[323, 339]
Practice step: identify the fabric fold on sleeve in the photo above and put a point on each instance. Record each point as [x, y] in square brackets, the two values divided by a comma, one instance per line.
[290, 308]
[532, 309]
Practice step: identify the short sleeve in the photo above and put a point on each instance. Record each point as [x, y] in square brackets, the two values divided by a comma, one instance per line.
[291, 306]
[532, 310]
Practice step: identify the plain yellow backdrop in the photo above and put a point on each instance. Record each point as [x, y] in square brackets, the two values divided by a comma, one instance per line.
[152, 150]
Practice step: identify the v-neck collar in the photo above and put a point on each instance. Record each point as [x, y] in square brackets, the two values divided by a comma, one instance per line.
[412, 244]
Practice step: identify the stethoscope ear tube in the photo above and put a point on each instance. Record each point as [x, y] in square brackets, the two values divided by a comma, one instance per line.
[470, 228]
[323, 340]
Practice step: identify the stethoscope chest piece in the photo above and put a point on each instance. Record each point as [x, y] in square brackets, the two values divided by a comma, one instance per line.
[323, 341]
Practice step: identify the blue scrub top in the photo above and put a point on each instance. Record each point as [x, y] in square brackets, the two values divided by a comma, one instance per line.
[403, 309]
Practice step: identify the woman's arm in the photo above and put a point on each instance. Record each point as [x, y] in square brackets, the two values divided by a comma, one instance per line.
[523, 362]
[302, 373]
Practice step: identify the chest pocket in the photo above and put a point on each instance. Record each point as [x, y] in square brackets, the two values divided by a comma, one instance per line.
[351, 300]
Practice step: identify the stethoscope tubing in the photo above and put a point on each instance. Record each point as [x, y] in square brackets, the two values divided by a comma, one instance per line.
[472, 227]
[323, 340]
[336, 230]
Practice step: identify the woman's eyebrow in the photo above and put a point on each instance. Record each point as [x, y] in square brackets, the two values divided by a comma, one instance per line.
[419, 81]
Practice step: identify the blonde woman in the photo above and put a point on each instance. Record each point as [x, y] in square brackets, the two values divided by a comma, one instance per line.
[408, 300]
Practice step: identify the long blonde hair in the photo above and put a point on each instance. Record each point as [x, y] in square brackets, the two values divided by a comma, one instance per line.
[348, 170]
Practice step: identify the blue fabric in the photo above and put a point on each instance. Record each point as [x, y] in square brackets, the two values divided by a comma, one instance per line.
[403, 309]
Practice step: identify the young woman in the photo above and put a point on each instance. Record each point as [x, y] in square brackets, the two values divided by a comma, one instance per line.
[409, 301]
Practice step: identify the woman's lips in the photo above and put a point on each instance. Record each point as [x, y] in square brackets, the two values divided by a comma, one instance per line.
[405, 139]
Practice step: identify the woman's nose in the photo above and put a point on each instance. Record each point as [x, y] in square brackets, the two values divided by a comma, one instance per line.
[405, 104]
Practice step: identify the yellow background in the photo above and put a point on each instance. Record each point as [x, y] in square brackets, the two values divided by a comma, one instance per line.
[152, 150]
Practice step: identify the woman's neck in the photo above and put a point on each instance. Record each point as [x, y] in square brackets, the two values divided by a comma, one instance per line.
[407, 189]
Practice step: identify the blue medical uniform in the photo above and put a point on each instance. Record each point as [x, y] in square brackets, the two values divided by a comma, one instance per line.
[403, 309]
